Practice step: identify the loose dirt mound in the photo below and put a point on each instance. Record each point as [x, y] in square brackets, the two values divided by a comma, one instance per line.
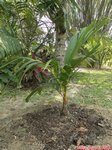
[81, 127]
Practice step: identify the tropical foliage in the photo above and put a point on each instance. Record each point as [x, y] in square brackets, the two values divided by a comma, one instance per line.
[23, 40]
[104, 54]
[62, 75]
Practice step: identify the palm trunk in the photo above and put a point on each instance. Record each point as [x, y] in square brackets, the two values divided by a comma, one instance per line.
[65, 103]
[61, 44]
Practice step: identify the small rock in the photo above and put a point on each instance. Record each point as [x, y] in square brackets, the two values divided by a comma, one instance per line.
[101, 125]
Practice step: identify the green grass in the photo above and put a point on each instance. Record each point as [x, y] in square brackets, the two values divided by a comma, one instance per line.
[87, 88]
[95, 88]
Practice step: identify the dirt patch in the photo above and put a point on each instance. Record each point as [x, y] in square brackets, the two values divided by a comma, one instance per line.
[16, 137]
[82, 127]
[45, 129]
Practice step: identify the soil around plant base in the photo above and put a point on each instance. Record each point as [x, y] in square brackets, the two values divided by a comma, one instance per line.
[81, 127]
[45, 129]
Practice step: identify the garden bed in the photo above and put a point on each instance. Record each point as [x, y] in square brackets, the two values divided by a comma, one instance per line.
[82, 127]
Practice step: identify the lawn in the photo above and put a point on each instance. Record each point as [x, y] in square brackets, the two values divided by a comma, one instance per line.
[86, 88]
[95, 88]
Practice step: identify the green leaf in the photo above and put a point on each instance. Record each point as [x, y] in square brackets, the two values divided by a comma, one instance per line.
[47, 64]
[37, 90]
[68, 69]
[55, 68]
[28, 68]
[9, 45]
[78, 60]
[80, 38]
[4, 78]
[75, 4]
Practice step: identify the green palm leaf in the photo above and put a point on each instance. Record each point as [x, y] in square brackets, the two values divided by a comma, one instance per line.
[80, 38]
[9, 45]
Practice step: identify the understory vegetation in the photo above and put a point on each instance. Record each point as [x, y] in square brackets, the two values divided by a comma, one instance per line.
[88, 88]
[55, 73]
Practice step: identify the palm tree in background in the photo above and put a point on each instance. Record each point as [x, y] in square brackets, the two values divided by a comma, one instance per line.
[91, 10]
[64, 14]
[59, 11]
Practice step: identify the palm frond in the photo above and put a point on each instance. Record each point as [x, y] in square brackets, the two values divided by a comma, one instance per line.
[9, 45]
[80, 38]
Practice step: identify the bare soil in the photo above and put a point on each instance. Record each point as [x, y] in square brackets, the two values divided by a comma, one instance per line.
[45, 129]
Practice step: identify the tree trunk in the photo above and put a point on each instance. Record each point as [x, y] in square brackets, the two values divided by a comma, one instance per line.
[61, 44]
[65, 103]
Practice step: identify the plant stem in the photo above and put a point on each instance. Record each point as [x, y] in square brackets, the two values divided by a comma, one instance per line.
[65, 102]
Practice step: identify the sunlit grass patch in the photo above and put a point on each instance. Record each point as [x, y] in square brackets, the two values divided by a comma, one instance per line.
[97, 89]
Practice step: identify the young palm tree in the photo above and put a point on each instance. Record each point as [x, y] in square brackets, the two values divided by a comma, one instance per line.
[68, 60]
[72, 59]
